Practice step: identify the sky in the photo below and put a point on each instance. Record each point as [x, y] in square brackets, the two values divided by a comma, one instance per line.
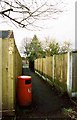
[61, 29]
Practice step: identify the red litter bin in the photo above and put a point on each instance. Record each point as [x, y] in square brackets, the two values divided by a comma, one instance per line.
[24, 90]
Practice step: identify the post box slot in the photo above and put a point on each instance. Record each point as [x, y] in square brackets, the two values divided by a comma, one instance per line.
[27, 81]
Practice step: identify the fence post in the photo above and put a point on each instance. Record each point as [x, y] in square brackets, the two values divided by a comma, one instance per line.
[53, 66]
[69, 73]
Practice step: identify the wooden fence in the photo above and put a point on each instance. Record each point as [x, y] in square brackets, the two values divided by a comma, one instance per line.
[59, 70]
[0, 78]
[10, 68]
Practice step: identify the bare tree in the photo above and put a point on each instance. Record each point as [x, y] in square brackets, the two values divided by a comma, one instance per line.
[25, 13]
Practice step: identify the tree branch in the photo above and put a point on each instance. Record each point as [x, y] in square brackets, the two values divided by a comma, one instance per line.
[34, 12]
[19, 23]
[6, 11]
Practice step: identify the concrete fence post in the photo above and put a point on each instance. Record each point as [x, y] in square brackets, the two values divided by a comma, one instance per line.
[53, 63]
[69, 73]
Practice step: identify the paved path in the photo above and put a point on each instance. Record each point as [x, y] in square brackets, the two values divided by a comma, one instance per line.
[47, 103]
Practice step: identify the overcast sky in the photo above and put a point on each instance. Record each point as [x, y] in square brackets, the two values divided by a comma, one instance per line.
[63, 28]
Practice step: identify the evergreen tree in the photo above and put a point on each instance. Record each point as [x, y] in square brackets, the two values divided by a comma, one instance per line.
[35, 49]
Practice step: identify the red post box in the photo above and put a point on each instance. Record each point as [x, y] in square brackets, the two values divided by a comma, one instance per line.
[24, 90]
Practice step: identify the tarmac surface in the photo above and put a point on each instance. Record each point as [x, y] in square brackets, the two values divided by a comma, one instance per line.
[47, 102]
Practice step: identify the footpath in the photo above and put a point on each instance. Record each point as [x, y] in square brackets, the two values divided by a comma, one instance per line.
[47, 102]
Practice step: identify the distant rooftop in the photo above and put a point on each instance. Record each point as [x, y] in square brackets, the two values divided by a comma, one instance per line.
[6, 34]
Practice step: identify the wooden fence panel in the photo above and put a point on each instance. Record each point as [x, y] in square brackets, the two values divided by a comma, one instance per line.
[60, 70]
[56, 65]
[5, 73]
[49, 62]
[11, 68]
[17, 62]
[35, 65]
[0, 75]
[44, 67]
[40, 65]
